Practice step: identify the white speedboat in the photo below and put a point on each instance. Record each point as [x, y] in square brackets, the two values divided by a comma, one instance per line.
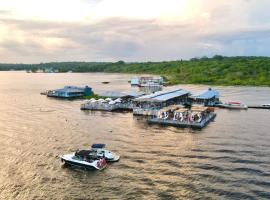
[84, 159]
[101, 152]
[233, 105]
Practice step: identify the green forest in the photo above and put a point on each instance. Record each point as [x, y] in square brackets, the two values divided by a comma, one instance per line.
[218, 70]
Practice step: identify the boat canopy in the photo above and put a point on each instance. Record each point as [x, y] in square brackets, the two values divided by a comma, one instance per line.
[98, 146]
[83, 153]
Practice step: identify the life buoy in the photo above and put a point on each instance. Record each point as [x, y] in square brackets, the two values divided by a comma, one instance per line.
[192, 117]
[181, 117]
[175, 116]
[166, 115]
[199, 118]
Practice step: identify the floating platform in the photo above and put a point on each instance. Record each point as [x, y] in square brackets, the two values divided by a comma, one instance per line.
[100, 107]
[184, 124]
[106, 106]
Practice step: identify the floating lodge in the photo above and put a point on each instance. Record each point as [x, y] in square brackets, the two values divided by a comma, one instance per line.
[152, 103]
[70, 92]
[209, 97]
[147, 81]
[195, 117]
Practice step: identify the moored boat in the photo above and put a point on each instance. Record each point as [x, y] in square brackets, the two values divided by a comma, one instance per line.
[85, 159]
[233, 105]
[101, 152]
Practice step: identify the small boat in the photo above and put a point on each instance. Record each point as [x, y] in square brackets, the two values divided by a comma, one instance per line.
[266, 105]
[233, 105]
[84, 159]
[101, 152]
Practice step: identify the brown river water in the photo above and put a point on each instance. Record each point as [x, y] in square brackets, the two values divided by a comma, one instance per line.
[229, 159]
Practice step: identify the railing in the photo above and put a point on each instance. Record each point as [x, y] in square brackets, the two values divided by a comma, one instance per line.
[186, 123]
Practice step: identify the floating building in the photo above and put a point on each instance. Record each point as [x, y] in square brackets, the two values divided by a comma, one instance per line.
[70, 92]
[113, 101]
[152, 103]
[147, 81]
[196, 117]
[209, 97]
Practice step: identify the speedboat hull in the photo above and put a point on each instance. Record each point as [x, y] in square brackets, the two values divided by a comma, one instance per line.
[70, 160]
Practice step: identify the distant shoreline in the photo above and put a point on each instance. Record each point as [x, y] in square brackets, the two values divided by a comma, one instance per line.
[219, 70]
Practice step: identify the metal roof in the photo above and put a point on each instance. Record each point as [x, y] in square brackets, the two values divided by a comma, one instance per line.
[208, 94]
[134, 93]
[115, 94]
[162, 96]
[70, 89]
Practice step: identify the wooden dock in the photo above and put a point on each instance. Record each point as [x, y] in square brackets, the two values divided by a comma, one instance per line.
[184, 124]
[259, 107]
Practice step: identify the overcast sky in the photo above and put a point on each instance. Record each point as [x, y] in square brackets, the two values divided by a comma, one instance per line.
[33, 31]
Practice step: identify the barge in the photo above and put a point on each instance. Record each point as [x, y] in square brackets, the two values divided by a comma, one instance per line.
[196, 117]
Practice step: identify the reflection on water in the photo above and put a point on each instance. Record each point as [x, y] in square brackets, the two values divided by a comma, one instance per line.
[227, 160]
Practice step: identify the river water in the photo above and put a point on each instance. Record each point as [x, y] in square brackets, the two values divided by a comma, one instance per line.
[229, 159]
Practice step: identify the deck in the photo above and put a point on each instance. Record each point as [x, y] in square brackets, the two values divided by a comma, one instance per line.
[184, 124]
[145, 112]
[107, 107]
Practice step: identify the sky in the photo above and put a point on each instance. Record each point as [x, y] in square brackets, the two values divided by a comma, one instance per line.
[34, 31]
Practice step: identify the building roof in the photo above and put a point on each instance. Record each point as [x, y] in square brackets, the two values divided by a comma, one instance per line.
[134, 93]
[162, 96]
[208, 94]
[115, 94]
[71, 89]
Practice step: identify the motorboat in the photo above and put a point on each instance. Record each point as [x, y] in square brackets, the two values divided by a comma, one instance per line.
[101, 152]
[84, 159]
[233, 105]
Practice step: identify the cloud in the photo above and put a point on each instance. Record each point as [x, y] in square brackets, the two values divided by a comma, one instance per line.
[232, 27]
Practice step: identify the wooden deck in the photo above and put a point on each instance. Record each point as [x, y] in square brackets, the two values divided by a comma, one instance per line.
[184, 124]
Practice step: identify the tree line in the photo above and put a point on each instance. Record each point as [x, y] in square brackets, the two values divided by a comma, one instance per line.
[218, 70]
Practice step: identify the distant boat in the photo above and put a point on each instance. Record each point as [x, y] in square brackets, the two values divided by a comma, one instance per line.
[233, 105]
[105, 82]
[147, 81]
[266, 105]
